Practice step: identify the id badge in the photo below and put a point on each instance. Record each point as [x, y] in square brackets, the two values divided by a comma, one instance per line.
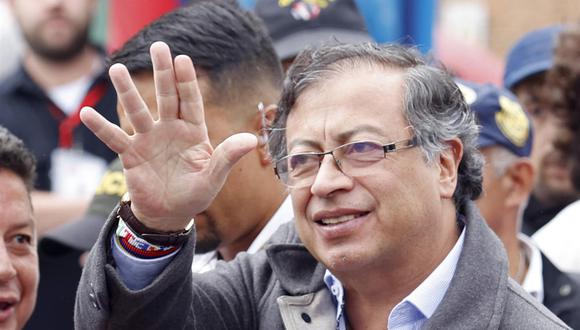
[75, 173]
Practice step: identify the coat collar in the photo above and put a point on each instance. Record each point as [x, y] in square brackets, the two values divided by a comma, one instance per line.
[480, 278]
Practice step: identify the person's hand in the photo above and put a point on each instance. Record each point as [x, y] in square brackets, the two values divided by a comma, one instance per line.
[171, 169]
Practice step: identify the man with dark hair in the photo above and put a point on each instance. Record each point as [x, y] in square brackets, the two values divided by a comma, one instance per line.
[240, 79]
[559, 238]
[525, 73]
[60, 72]
[18, 257]
[379, 153]
[505, 140]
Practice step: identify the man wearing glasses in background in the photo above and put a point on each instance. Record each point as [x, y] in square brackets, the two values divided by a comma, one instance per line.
[378, 151]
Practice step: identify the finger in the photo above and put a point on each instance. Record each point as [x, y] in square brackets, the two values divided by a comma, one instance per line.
[165, 90]
[112, 135]
[135, 108]
[190, 99]
[228, 153]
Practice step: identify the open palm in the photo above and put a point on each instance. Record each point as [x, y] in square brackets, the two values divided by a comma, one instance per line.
[171, 169]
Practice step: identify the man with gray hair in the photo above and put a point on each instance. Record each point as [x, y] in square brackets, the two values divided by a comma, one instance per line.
[505, 140]
[378, 151]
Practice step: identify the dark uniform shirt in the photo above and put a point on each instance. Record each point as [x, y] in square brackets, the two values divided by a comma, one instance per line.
[27, 111]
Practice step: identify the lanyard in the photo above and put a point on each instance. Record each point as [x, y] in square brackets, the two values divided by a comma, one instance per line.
[68, 124]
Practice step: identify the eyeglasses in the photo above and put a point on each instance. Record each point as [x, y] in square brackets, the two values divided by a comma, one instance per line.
[353, 159]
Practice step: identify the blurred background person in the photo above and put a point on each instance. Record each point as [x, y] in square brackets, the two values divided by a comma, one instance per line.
[559, 238]
[525, 73]
[294, 26]
[9, 39]
[18, 258]
[60, 71]
[506, 142]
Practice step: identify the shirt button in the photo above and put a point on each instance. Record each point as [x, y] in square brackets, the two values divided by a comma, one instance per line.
[93, 300]
[565, 290]
[306, 318]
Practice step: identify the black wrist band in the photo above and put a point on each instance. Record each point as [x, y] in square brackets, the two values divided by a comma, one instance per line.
[151, 235]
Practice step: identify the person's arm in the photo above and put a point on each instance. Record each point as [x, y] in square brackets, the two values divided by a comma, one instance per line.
[172, 173]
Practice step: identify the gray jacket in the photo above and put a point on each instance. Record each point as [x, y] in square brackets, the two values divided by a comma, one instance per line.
[282, 287]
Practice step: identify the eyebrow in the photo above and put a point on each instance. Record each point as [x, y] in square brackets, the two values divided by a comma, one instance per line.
[341, 137]
[29, 223]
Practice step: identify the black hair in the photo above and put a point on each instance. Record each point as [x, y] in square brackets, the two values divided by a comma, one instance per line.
[230, 44]
[15, 157]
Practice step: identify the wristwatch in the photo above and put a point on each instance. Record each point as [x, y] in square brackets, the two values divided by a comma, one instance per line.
[152, 236]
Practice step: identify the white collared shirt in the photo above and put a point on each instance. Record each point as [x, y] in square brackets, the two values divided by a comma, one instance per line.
[534, 280]
[419, 305]
[204, 262]
[558, 239]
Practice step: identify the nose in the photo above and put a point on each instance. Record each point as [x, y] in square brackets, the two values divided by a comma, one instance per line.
[330, 178]
[7, 270]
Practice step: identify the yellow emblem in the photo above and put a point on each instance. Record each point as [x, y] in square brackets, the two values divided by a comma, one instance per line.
[319, 3]
[113, 183]
[512, 121]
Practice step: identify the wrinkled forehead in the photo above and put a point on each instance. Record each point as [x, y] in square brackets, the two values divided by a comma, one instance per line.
[361, 101]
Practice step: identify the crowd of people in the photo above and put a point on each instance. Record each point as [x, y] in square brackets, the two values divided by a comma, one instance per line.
[272, 170]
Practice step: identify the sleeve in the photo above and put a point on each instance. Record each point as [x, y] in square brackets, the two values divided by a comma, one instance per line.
[137, 273]
[226, 298]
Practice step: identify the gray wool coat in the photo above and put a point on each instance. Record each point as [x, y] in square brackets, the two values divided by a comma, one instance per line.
[282, 287]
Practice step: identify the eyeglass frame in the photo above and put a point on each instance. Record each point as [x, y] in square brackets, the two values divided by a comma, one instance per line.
[387, 148]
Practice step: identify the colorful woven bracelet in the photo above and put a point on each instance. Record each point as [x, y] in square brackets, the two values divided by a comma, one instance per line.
[137, 246]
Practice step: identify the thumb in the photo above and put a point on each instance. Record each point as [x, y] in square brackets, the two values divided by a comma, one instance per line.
[227, 153]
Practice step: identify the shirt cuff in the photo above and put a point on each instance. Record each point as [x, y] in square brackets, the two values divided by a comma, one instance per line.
[137, 273]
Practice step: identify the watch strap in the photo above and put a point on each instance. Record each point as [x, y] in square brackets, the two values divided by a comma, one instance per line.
[152, 236]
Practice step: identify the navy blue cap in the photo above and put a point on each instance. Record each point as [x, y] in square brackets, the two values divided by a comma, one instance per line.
[295, 25]
[532, 54]
[503, 121]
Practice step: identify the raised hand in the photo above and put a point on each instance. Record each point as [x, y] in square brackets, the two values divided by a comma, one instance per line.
[172, 171]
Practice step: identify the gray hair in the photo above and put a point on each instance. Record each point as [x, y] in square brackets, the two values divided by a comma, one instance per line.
[15, 157]
[501, 159]
[433, 104]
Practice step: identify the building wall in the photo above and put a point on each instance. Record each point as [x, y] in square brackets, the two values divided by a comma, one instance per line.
[504, 21]
[510, 19]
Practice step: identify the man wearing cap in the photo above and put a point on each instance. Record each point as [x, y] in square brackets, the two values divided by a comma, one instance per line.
[505, 141]
[559, 238]
[526, 66]
[295, 25]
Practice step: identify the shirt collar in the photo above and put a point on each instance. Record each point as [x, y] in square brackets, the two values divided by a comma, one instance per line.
[207, 261]
[534, 280]
[427, 296]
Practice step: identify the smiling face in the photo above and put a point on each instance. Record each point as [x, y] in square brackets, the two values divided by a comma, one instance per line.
[553, 183]
[18, 257]
[385, 219]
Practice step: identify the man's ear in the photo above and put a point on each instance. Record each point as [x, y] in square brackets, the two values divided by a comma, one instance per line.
[519, 182]
[449, 160]
[264, 120]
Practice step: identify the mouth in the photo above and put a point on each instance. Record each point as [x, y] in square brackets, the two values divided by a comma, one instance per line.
[7, 307]
[337, 220]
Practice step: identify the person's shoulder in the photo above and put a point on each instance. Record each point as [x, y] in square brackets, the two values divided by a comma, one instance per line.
[522, 311]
